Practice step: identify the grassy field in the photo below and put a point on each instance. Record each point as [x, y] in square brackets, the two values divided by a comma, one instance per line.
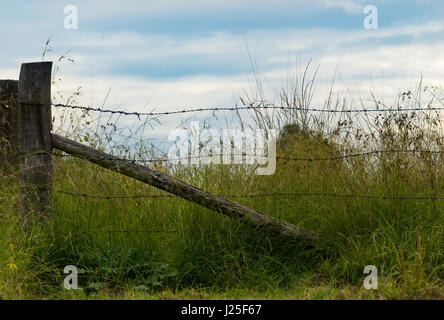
[201, 254]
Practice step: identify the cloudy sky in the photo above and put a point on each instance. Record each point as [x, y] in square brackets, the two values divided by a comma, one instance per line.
[171, 54]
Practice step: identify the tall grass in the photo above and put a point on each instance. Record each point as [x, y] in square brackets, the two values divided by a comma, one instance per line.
[171, 248]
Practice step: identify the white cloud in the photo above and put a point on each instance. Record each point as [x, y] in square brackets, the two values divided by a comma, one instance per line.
[113, 9]
[270, 49]
[349, 6]
[364, 60]
[352, 53]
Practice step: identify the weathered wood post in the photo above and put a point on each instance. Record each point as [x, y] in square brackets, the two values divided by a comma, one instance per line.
[8, 120]
[34, 137]
[170, 184]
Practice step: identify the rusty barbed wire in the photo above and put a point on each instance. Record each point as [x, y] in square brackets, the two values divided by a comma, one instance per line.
[89, 231]
[214, 109]
[104, 231]
[263, 107]
[351, 155]
[74, 194]
[377, 197]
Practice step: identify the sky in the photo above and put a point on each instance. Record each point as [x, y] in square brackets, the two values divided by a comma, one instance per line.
[170, 55]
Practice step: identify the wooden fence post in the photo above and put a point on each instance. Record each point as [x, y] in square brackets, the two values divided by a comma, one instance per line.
[8, 120]
[34, 137]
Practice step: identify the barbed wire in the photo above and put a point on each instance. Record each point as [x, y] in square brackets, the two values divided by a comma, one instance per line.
[83, 195]
[351, 155]
[264, 107]
[214, 109]
[74, 194]
[107, 197]
[89, 231]
[106, 231]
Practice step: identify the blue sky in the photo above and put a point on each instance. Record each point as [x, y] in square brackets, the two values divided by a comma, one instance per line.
[168, 55]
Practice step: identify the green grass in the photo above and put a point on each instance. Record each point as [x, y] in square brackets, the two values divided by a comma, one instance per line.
[209, 256]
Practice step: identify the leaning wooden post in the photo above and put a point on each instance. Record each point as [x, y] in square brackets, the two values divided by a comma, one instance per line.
[170, 184]
[8, 120]
[34, 137]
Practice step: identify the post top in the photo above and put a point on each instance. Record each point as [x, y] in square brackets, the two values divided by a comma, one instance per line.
[34, 85]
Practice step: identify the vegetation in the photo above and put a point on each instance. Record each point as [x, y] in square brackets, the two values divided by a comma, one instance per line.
[203, 255]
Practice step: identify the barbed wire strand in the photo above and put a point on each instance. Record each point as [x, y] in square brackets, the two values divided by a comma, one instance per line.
[352, 155]
[265, 107]
[84, 195]
[89, 231]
